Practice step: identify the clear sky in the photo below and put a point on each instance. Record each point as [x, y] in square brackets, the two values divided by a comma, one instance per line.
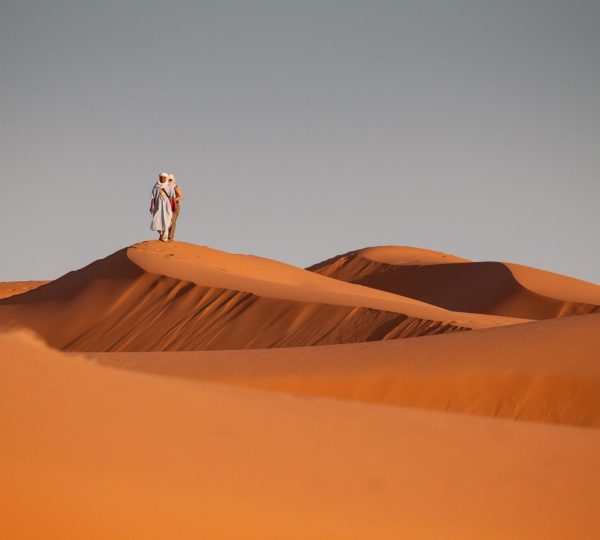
[299, 130]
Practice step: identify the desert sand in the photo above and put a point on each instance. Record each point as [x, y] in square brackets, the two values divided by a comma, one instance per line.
[215, 395]
[458, 284]
[94, 452]
[10, 288]
[547, 371]
[179, 296]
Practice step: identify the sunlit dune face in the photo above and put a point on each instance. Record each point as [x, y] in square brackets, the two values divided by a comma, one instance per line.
[232, 396]
[168, 458]
[12, 288]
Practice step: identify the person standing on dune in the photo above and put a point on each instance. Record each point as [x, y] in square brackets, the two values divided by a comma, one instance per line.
[160, 207]
[176, 196]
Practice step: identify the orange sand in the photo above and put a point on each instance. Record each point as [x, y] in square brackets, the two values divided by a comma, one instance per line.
[547, 371]
[456, 284]
[11, 288]
[93, 452]
[178, 296]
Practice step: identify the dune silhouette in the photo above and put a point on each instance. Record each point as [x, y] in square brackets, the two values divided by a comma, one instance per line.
[456, 284]
[155, 296]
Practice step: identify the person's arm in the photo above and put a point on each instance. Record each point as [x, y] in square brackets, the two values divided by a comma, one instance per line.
[152, 205]
[178, 194]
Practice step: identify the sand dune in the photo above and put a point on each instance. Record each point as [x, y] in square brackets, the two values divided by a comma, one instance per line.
[185, 442]
[178, 296]
[547, 371]
[11, 288]
[99, 453]
[457, 284]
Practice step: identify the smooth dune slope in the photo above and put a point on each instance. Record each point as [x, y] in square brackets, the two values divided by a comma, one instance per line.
[11, 288]
[178, 296]
[546, 371]
[457, 284]
[93, 452]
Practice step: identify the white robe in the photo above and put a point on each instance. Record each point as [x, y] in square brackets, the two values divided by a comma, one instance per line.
[161, 219]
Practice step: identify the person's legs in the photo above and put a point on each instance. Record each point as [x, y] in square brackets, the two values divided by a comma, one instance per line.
[173, 224]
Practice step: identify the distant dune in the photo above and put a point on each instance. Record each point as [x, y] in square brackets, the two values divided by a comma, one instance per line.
[11, 288]
[458, 284]
[179, 296]
[97, 453]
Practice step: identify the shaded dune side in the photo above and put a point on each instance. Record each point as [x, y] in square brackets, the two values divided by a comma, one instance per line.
[546, 371]
[268, 278]
[113, 305]
[475, 287]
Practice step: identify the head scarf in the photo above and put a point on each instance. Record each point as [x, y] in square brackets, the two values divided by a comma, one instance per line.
[166, 187]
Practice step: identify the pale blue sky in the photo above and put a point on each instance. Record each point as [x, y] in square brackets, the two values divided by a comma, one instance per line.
[302, 129]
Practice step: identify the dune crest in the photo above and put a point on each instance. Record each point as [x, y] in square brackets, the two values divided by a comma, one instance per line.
[406, 255]
[178, 296]
[494, 288]
[189, 442]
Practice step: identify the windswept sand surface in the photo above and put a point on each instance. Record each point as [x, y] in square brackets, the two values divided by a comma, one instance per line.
[360, 436]
[179, 296]
[505, 289]
[93, 452]
[547, 371]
